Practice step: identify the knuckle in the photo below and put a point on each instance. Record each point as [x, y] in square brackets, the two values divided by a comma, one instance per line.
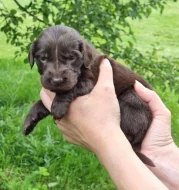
[108, 88]
[154, 94]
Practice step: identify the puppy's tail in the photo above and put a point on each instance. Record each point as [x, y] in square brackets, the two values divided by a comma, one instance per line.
[145, 159]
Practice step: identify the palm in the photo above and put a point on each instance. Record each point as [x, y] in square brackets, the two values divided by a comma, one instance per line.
[159, 135]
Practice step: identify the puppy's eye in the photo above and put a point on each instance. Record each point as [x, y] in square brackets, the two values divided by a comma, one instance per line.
[63, 57]
[43, 59]
[71, 58]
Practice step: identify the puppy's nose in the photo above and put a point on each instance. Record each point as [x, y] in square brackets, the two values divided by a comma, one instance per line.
[56, 80]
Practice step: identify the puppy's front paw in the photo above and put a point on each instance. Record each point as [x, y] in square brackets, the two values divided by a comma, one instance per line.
[29, 124]
[37, 112]
[58, 110]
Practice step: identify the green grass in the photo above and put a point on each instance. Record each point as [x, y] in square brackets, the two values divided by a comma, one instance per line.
[44, 160]
[163, 29]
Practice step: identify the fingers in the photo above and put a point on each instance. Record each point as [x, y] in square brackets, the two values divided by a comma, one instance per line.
[49, 93]
[70, 135]
[155, 103]
[105, 78]
[46, 98]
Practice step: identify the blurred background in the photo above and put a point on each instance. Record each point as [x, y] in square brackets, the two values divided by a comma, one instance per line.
[141, 34]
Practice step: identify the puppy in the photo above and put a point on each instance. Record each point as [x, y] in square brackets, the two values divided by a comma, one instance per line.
[69, 66]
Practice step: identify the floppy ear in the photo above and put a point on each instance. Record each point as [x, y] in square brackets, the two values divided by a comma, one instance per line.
[31, 54]
[87, 55]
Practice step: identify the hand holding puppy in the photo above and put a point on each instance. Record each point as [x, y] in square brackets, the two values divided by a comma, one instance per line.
[85, 126]
[158, 143]
[93, 122]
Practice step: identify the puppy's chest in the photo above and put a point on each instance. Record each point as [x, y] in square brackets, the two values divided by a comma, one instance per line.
[86, 83]
[84, 87]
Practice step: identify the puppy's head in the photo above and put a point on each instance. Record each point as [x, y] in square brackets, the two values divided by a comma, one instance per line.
[60, 53]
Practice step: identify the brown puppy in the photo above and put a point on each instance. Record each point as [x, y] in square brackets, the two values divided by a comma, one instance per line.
[69, 66]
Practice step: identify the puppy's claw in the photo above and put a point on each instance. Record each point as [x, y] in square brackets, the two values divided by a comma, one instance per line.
[59, 117]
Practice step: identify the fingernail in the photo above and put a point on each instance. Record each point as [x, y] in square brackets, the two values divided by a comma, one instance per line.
[106, 62]
[142, 88]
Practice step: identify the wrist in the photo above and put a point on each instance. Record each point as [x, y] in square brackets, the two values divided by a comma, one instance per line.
[166, 161]
[161, 154]
[112, 140]
[123, 166]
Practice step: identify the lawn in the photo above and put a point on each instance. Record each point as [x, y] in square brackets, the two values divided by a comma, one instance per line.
[163, 29]
[44, 160]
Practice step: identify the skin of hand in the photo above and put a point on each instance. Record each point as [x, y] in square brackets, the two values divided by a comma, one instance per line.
[158, 136]
[99, 131]
[158, 143]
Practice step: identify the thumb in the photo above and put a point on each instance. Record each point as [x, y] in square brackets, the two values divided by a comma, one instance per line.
[47, 97]
[105, 78]
[156, 105]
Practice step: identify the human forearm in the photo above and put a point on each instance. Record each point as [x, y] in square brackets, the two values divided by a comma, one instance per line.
[167, 167]
[124, 167]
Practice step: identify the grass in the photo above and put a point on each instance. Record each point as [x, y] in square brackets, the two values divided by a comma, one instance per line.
[163, 29]
[44, 160]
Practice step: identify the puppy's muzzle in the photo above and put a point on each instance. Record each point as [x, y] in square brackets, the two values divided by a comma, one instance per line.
[57, 80]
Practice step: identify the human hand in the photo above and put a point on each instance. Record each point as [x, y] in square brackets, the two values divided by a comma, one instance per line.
[158, 140]
[93, 118]
[93, 121]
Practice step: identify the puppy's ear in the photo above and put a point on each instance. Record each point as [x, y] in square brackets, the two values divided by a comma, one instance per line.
[87, 54]
[31, 54]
